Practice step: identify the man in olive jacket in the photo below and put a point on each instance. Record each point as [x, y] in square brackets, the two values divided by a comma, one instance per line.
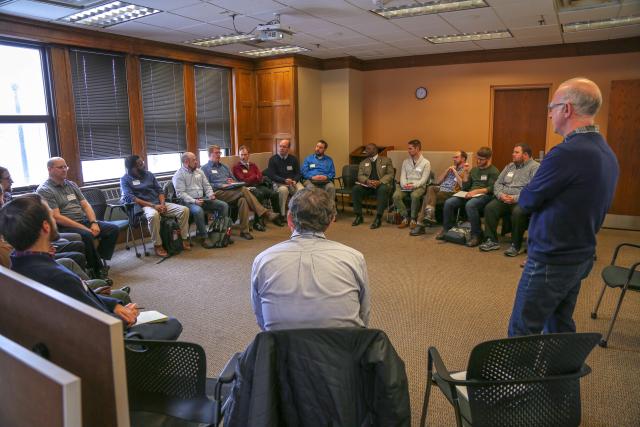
[375, 176]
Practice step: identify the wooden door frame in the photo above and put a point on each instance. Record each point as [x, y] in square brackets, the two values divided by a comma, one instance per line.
[493, 89]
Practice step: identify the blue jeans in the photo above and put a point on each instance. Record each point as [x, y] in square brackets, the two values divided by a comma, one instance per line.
[197, 213]
[472, 206]
[546, 298]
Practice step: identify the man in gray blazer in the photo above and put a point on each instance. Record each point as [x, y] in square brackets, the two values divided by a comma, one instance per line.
[375, 176]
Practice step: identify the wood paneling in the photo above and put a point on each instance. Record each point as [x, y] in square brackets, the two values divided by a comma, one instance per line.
[245, 103]
[276, 107]
[519, 115]
[190, 107]
[623, 136]
[136, 114]
[65, 113]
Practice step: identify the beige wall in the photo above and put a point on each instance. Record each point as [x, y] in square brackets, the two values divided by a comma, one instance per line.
[457, 112]
[309, 110]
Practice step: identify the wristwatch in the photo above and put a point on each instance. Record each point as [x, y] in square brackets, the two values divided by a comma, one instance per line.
[93, 222]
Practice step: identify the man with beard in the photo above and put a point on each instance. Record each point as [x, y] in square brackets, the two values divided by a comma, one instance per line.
[140, 186]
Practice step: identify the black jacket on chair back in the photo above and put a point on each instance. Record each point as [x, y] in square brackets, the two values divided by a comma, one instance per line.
[347, 377]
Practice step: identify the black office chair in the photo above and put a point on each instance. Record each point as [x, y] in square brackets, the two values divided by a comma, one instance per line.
[524, 381]
[167, 384]
[615, 276]
[346, 182]
[135, 218]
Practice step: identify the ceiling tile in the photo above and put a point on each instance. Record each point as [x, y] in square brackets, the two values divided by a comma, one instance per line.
[586, 36]
[498, 44]
[409, 43]
[247, 7]
[627, 31]
[474, 20]
[206, 30]
[168, 20]
[525, 13]
[591, 14]
[165, 5]
[426, 25]
[202, 12]
[34, 9]
[537, 31]
[630, 7]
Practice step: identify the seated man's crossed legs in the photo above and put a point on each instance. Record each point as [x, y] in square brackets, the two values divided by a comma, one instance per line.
[427, 212]
[107, 239]
[180, 213]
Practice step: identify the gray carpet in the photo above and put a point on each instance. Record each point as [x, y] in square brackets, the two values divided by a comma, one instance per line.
[424, 293]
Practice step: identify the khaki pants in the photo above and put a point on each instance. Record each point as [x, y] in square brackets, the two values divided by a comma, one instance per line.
[283, 193]
[433, 197]
[246, 202]
[179, 212]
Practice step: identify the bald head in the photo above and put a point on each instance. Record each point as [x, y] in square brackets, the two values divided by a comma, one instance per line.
[583, 94]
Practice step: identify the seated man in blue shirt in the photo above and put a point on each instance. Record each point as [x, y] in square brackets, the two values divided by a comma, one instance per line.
[226, 188]
[318, 171]
[140, 186]
[27, 224]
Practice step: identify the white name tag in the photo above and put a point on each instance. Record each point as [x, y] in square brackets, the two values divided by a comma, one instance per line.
[289, 168]
[510, 174]
[366, 165]
[135, 182]
[312, 165]
[418, 170]
[71, 196]
[483, 177]
[214, 171]
[384, 166]
[245, 171]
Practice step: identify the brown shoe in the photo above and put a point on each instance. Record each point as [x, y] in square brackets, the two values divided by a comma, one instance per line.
[404, 223]
[473, 242]
[159, 250]
[440, 235]
[186, 245]
[412, 224]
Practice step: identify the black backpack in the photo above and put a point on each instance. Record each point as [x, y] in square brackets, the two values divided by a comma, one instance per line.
[170, 235]
[219, 234]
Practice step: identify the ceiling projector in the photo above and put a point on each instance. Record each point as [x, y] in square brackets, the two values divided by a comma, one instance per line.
[274, 32]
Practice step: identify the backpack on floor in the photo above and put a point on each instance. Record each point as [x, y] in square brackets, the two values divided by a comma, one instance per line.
[459, 234]
[170, 235]
[219, 234]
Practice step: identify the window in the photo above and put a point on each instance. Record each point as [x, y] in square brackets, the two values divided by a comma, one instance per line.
[212, 109]
[102, 113]
[164, 117]
[26, 123]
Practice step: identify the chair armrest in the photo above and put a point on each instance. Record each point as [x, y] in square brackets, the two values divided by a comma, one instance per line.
[620, 246]
[632, 271]
[584, 370]
[435, 359]
[112, 206]
[228, 373]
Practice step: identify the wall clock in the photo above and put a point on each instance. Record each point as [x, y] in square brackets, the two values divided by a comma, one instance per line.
[421, 92]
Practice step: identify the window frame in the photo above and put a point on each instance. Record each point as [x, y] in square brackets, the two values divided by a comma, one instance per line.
[49, 120]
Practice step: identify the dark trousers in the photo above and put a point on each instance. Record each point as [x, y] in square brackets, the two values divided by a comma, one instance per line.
[264, 193]
[473, 207]
[546, 298]
[496, 210]
[382, 197]
[108, 237]
[169, 330]
[73, 249]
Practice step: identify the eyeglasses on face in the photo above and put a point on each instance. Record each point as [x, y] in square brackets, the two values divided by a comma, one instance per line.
[65, 167]
[557, 104]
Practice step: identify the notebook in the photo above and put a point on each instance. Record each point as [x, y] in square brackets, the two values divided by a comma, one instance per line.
[151, 316]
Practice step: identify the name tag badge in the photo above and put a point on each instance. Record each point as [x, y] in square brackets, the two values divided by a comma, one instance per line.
[510, 174]
[483, 177]
[289, 168]
[245, 171]
[366, 165]
[214, 171]
[312, 165]
[419, 170]
[71, 197]
[384, 166]
[135, 182]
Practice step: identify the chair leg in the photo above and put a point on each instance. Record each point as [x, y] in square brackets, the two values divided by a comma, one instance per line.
[133, 238]
[603, 343]
[594, 313]
[144, 245]
[425, 403]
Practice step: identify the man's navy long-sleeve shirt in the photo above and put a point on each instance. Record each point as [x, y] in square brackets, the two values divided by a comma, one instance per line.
[280, 169]
[569, 197]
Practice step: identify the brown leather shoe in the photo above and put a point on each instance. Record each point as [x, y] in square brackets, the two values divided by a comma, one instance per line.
[186, 245]
[159, 250]
[404, 223]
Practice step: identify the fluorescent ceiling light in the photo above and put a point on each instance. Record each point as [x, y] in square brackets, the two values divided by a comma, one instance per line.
[270, 51]
[78, 4]
[109, 14]
[488, 35]
[428, 8]
[601, 24]
[222, 40]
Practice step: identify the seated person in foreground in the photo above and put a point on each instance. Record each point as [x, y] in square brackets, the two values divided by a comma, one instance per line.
[309, 281]
[513, 178]
[413, 180]
[193, 189]
[375, 177]
[284, 171]
[27, 224]
[225, 188]
[74, 214]
[318, 170]
[478, 185]
[249, 173]
[140, 186]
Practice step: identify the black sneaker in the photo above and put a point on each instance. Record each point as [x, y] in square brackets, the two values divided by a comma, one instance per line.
[417, 231]
[489, 245]
[513, 251]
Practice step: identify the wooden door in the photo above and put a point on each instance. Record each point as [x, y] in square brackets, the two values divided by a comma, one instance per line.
[623, 135]
[519, 115]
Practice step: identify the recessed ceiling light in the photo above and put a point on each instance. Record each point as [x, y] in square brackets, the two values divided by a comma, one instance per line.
[487, 35]
[428, 8]
[270, 51]
[222, 40]
[109, 14]
[601, 24]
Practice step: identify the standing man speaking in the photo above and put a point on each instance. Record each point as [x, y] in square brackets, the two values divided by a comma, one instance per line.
[568, 199]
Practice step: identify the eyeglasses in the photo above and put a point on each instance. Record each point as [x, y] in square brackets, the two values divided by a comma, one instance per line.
[481, 159]
[552, 105]
[6, 178]
[65, 167]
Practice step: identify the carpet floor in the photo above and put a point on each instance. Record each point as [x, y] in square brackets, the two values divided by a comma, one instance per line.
[423, 293]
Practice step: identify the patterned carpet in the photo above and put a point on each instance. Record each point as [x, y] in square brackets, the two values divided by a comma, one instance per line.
[424, 293]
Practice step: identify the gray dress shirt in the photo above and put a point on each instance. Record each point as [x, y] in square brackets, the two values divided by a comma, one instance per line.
[514, 178]
[310, 282]
[191, 185]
